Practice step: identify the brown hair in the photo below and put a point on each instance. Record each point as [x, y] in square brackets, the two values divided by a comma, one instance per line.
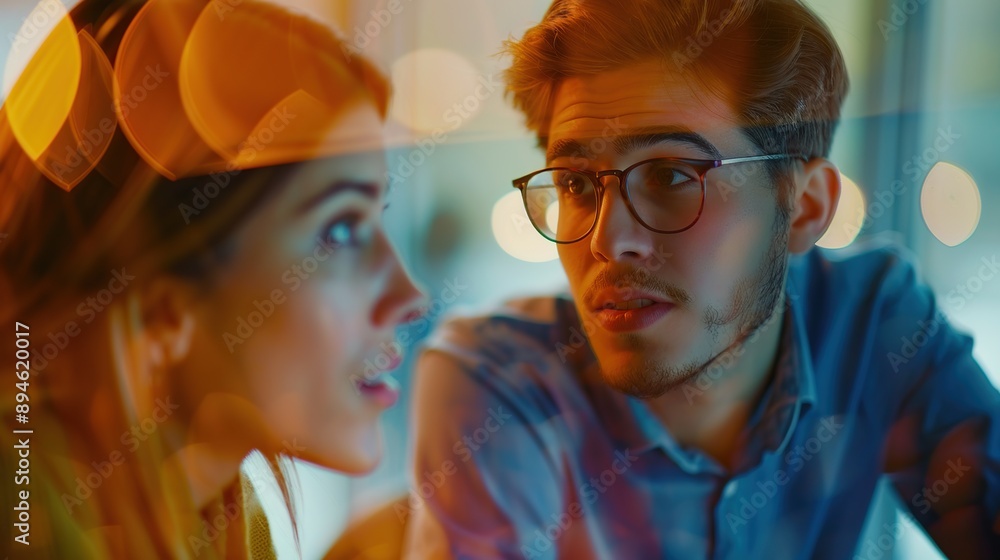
[72, 238]
[774, 61]
[59, 244]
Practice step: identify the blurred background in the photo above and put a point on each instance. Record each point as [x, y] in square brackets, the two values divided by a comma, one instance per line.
[917, 147]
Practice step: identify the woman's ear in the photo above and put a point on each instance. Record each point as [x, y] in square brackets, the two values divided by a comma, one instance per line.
[168, 319]
[817, 193]
[151, 333]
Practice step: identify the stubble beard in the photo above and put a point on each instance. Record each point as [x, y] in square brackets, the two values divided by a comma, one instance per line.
[753, 302]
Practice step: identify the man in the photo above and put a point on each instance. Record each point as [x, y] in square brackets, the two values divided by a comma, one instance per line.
[714, 386]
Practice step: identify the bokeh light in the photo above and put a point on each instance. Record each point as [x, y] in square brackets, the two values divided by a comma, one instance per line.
[515, 234]
[40, 95]
[47, 17]
[435, 89]
[950, 203]
[848, 218]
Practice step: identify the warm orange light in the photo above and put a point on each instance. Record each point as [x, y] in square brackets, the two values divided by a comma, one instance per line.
[42, 97]
[515, 234]
[200, 93]
[848, 218]
[436, 89]
[226, 103]
[950, 203]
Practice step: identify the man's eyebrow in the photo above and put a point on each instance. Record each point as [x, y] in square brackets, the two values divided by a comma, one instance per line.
[565, 147]
[648, 137]
[636, 140]
[368, 190]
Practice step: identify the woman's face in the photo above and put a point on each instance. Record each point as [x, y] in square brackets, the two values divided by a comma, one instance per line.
[287, 342]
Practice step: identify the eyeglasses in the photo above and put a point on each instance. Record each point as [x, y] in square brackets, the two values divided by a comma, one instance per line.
[665, 195]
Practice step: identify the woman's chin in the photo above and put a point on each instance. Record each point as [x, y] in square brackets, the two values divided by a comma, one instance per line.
[359, 456]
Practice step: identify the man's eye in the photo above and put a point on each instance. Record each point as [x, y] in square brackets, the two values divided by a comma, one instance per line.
[665, 176]
[574, 183]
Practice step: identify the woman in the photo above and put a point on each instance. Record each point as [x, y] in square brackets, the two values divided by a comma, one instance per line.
[195, 253]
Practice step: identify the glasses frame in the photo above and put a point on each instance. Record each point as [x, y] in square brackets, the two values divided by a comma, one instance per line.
[701, 166]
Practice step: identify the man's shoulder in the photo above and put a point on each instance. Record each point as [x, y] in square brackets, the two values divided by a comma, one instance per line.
[519, 325]
[855, 274]
[526, 343]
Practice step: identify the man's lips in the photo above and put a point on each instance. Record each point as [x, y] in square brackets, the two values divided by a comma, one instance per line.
[632, 319]
[629, 309]
[623, 299]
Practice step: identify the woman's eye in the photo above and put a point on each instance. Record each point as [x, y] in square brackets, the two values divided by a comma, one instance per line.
[344, 232]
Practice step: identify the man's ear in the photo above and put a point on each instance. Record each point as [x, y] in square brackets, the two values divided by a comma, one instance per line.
[168, 318]
[817, 192]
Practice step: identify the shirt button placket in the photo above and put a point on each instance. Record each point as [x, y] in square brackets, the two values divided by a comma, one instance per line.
[723, 534]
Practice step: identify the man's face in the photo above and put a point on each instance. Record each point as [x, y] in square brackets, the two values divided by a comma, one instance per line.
[659, 308]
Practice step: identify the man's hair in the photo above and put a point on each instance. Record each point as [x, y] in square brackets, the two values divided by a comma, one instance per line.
[774, 61]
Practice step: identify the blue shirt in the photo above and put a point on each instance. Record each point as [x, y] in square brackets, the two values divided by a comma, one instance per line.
[521, 451]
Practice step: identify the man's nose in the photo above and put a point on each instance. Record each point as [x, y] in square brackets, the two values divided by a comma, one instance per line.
[617, 234]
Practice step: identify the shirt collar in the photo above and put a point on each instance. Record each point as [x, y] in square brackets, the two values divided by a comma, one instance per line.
[791, 392]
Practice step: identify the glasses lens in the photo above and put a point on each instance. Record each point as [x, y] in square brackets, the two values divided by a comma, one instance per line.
[667, 195]
[561, 203]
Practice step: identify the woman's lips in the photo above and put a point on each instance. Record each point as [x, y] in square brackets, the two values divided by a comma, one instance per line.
[382, 389]
[631, 319]
[377, 384]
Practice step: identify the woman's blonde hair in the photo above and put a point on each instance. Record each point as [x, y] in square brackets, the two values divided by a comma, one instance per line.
[131, 207]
